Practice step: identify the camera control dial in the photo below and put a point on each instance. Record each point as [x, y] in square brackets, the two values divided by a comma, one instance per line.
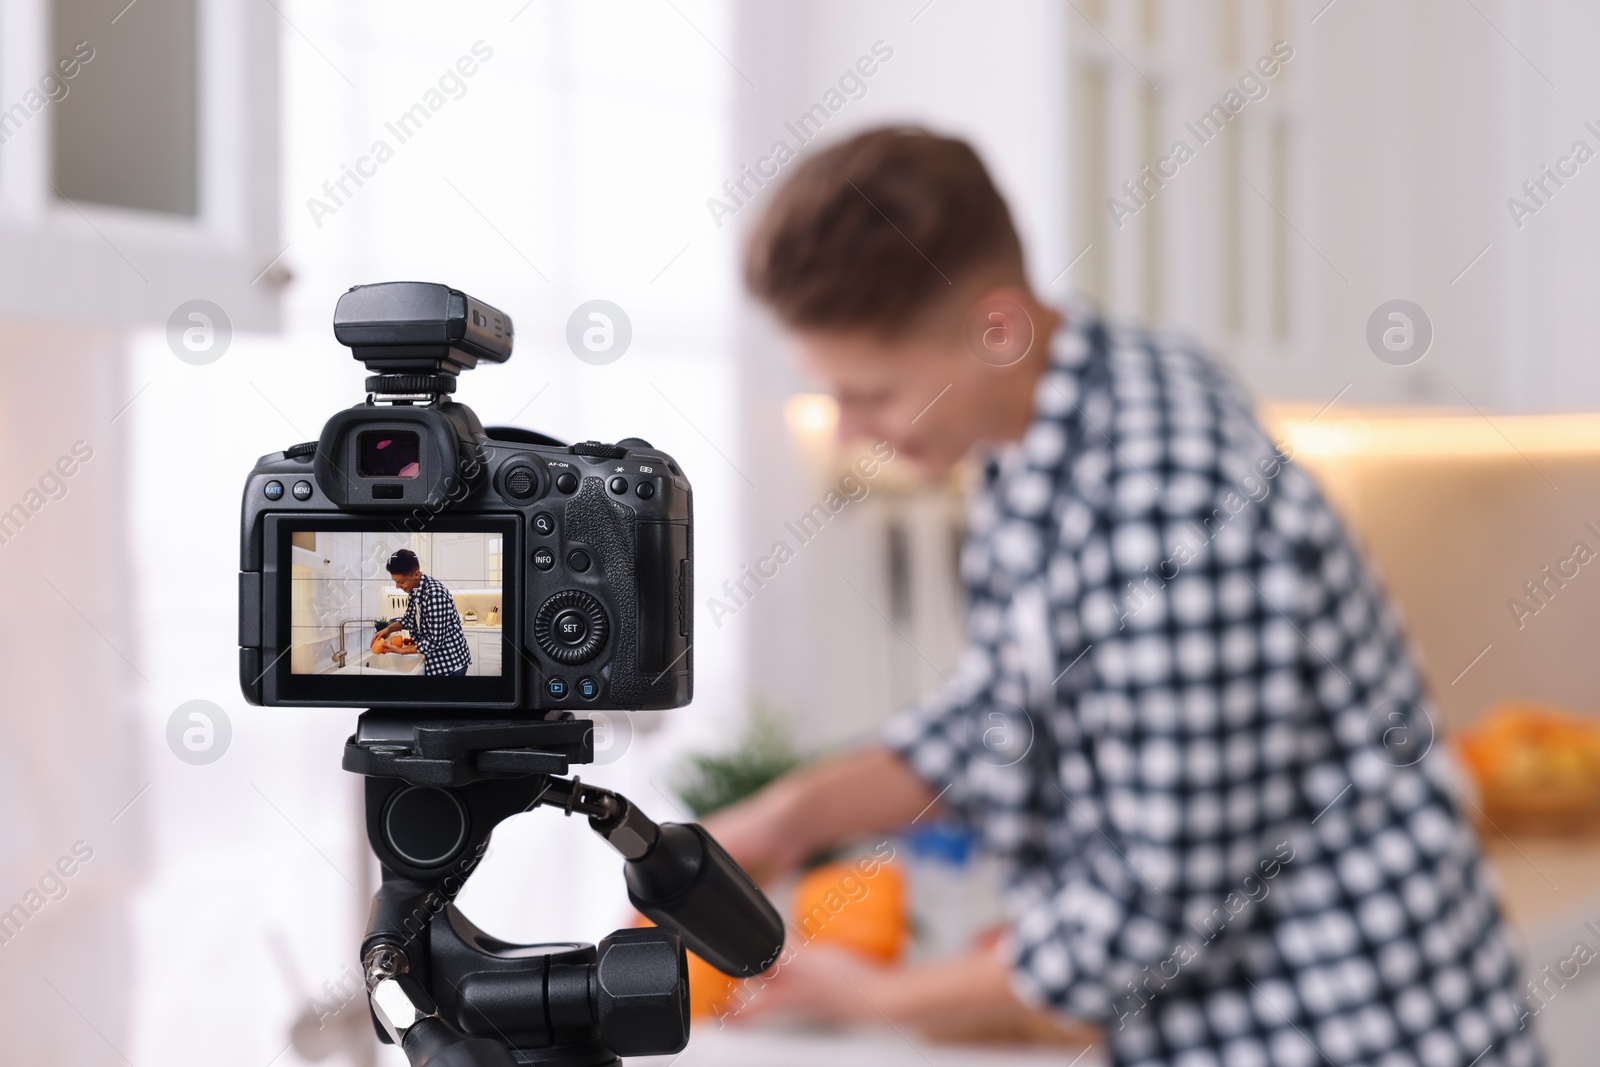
[570, 627]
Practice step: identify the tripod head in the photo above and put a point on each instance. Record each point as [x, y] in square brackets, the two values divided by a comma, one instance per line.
[450, 994]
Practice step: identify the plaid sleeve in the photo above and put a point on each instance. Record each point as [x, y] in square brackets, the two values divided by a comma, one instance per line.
[408, 621]
[935, 737]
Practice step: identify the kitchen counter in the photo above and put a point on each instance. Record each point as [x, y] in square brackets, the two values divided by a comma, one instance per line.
[1550, 894]
[867, 1047]
[1545, 880]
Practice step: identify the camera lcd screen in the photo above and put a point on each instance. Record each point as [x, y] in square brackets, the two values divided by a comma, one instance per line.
[388, 454]
[392, 616]
[364, 602]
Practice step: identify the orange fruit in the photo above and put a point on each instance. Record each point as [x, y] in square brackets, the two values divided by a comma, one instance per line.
[838, 904]
[377, 645]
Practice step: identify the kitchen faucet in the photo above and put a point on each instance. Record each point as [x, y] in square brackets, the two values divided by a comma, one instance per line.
[340, 654]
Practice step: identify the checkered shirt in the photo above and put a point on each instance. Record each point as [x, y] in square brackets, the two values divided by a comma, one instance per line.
[1187, 722]
[435, 626]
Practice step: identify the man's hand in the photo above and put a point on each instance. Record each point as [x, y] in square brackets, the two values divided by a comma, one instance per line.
[817, 807]
[819, 983]
[967, 998]
[757, 834]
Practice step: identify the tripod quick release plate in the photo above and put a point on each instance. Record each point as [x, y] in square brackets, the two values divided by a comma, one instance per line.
[447, 752]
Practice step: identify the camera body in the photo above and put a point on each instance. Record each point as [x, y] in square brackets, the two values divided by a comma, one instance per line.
[547, 577]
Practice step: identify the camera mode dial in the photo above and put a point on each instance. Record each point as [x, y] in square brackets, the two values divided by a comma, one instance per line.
[570, 627]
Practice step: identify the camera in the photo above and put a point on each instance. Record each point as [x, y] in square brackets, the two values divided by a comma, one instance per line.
[475, 590]
[549, 576]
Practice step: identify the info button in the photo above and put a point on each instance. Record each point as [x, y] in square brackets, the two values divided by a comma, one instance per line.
[543, 558]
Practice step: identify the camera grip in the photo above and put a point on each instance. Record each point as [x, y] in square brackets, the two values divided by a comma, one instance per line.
[687, 883]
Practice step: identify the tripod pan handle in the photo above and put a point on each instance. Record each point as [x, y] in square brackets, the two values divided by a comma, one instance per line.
[687, 883]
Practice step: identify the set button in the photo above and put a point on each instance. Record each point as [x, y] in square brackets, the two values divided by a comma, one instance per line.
[571, 627]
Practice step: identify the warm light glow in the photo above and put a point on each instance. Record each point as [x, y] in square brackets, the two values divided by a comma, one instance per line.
[1454, 433]
[811, 416]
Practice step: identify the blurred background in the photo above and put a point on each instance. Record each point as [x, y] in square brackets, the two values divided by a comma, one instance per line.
[1390, 240]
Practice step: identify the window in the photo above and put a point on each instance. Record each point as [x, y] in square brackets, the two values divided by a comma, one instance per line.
[126, 133]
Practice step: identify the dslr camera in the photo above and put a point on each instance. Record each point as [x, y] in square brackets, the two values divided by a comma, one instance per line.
[570, 566]
[475, 590]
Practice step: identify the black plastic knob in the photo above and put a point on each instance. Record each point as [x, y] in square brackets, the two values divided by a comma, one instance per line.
[521, 482]
[553, 636]
[403, 384]
[641, 992]
[599, 449]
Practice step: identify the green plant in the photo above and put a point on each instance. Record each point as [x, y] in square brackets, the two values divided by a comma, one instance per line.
[764, 751]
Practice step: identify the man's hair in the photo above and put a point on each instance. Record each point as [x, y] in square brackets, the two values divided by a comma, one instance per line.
[874, 232]
[404, 561]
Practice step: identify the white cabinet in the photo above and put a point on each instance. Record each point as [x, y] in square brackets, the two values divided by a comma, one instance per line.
[138, 161]
[460, 560]
[487, 655]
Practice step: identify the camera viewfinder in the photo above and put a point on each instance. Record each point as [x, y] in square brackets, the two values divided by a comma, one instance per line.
[388, 454]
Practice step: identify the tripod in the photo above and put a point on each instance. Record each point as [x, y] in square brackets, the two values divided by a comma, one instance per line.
[451, 995]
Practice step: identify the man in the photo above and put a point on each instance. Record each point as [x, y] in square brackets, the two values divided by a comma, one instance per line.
[1185, 718]
[431, 619]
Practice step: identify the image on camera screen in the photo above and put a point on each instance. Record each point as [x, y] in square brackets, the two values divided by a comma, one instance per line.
[387, 603]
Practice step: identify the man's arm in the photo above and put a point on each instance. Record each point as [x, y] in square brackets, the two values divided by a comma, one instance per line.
[806, 811]
[967, 997]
